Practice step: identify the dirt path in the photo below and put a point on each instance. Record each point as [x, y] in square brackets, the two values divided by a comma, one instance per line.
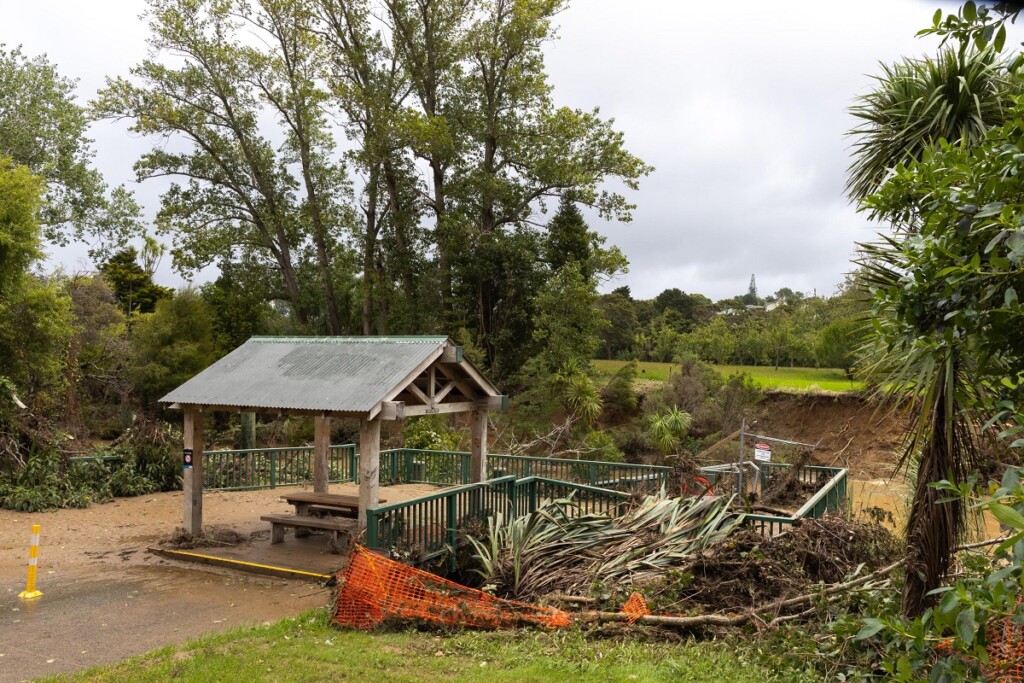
[105, 597]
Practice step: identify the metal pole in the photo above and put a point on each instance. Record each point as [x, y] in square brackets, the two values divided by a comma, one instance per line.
[739, 460]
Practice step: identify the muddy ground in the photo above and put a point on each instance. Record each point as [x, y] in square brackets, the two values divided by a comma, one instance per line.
[106, 598]
[854, 433]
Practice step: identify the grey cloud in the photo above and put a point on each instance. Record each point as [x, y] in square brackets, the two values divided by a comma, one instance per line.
[740, 106]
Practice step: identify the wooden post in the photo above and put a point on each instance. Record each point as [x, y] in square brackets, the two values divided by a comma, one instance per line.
[321, 452]
[369, 467]
[248, 431]
[192, 477]
[478, 463]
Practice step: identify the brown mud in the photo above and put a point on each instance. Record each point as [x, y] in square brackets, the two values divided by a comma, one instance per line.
[853, 432]
[105, 597]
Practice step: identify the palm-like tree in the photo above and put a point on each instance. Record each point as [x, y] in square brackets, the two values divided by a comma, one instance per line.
[934, 376]
[956, 96]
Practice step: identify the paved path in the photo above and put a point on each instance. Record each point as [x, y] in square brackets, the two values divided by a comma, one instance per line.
[82, 621]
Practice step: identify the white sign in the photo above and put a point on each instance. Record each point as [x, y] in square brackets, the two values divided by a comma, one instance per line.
[762, 452]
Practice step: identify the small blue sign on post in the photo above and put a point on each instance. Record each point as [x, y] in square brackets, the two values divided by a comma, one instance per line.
[186, 460]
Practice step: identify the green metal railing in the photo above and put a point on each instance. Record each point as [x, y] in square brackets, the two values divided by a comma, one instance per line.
[830, 496]
[451, 468]
[267, 468]
[428, 527]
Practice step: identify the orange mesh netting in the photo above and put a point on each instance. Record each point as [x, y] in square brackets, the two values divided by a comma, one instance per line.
[374, 590]
[635, 607]
[1005, 651]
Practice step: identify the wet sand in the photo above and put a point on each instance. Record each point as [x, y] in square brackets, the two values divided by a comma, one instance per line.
[105, 597]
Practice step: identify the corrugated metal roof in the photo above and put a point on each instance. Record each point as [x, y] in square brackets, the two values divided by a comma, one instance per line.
[337, 374]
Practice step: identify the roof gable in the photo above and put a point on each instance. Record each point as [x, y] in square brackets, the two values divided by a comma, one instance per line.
[351, 375]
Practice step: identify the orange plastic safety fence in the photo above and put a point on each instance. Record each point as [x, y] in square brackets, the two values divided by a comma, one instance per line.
[1005, 651]
[635, 607]
[374, 590]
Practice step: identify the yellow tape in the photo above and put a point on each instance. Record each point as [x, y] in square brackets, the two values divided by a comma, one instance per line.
[250, 564]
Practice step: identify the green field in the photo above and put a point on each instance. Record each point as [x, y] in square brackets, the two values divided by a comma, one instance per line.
[794, 379]
[308, 648]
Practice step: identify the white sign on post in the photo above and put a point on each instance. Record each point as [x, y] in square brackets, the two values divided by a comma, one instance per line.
[762, 452]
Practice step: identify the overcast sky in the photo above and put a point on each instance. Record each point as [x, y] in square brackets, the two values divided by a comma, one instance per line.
[741, 107]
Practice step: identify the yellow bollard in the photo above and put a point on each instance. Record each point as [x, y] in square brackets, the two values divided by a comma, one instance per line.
[33, 556]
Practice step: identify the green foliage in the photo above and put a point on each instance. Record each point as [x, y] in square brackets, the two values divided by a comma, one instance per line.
[618, 395]
[568, 319]
[133, 286]
[619, 326]
[171, 345]
[47, 481]
[430, 432]
[953, 285]
[569, 238]
[98, 389]
[601, 445]
[42, 127]
[20, 243]
[955, 97]
[575, 388]
[34, 312]
[667, 427]
[238, 302]
[838, 343]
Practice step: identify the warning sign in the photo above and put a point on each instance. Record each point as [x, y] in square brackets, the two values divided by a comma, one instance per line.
[762, 452]
[186, 458]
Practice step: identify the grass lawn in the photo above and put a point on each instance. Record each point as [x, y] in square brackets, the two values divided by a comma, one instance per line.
[307, 648]
[796, 379]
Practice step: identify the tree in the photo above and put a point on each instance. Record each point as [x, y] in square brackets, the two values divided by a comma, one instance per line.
[132, 284]
[368, 84]
[568, 237]
[956, 96]
[568, 319]
[171, 345]
[496, 144]
[35, 319]
[620, 326]
[948, 324]
[42, 128]
[238, 302]
[238, 193]
[751, 298]
[713, 342]
[98, 387]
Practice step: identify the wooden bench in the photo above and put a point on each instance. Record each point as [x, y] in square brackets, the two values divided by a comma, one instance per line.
[307, 502]
[278, 523]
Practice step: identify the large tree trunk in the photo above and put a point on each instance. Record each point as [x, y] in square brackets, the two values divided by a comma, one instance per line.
[443, 256]
[320, 242]
[283, 256]
[370, 248]
[402, 243]
[934, 528]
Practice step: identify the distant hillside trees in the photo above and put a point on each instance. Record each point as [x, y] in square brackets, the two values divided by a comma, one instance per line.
[796, 331]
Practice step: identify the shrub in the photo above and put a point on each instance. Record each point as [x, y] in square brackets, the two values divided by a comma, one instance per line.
[430, 433]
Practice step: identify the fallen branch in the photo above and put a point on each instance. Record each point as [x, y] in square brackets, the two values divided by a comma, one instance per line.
[829, 593]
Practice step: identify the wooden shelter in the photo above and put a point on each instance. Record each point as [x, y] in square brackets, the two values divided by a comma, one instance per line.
[368, 378]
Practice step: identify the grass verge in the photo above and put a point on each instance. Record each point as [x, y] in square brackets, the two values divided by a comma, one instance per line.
[308, 648]
[785, 379]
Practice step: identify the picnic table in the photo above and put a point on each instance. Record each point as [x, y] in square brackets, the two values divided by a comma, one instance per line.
[315, 511]
[309, 504]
